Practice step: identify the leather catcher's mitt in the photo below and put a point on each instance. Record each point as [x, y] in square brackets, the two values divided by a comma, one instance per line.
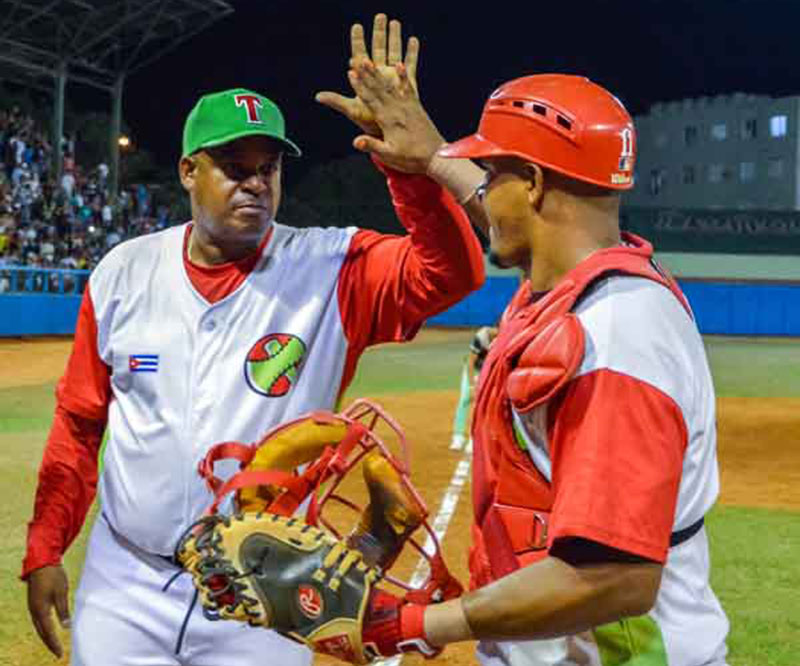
[282, 573]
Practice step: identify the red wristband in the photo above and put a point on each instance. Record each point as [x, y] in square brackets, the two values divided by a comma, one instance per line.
[392, 625]
[412, 630]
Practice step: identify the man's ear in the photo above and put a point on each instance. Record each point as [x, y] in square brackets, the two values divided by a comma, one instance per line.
[535, 184]
[187, 172]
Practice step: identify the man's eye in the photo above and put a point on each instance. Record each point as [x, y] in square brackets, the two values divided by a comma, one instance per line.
[234, 171]
[267, 170]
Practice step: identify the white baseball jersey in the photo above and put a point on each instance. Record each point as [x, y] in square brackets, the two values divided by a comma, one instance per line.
[644, 372]
[187, 375]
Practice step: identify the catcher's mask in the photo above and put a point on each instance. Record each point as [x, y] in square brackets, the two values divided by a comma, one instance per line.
[297, 468]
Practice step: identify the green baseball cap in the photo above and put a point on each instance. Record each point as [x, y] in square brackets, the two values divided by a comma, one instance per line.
[221, 117]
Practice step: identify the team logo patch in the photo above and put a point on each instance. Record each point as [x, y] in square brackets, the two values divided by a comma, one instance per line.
[143, 362]
[310, 601]
[273, 364]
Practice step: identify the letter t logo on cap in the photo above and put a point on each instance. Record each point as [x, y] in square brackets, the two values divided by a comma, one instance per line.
[253, 104]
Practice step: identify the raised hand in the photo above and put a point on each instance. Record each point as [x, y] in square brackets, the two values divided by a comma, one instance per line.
[387, 53]
[408, 139]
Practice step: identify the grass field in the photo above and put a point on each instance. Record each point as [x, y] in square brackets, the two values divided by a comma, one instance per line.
[754, 551]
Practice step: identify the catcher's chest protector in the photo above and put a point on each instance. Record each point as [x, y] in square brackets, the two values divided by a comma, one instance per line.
[512, 499]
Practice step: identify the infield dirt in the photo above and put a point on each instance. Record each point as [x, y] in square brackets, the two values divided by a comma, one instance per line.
[758, 455]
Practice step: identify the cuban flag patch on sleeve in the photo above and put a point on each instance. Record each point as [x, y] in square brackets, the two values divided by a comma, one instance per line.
[143, 362]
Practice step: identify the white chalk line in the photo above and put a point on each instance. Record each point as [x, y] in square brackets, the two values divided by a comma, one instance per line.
[447, 509]
[461, 442]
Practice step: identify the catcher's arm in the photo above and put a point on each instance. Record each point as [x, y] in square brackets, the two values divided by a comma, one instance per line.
[558, 596]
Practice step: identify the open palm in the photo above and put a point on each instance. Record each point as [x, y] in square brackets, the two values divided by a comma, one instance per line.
[387, 53]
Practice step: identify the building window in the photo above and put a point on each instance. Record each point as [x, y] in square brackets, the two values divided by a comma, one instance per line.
[778, 125]
[715, 172]
[775, 168]
[719, 131]
[657, 178]
[688, 175]
[749, 128]
[690, 135]
[747, 171]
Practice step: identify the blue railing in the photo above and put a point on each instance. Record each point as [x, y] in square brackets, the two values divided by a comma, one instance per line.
[37, 301]
[40, 301]
[32, 280]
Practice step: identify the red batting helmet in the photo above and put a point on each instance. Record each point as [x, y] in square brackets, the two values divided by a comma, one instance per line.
[565, 123]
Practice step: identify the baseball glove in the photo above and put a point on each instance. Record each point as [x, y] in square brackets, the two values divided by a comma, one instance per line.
[284, 574]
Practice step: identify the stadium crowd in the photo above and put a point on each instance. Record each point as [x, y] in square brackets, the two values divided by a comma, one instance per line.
[69, 224]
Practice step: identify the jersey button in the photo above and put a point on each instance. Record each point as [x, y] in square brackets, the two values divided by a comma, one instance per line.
[210, 325]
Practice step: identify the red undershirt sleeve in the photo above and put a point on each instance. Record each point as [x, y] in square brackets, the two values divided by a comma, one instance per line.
[617, 447]
[389, 285]
[68, 472]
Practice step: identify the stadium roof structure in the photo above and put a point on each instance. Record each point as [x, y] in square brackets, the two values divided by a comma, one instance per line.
[97, 41]
[45, 43]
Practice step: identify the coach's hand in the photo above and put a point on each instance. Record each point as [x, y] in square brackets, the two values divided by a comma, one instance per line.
[410, 139]
[48, 588]
[385, 59]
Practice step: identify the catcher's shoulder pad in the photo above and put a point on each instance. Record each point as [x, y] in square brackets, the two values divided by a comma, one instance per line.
[549, 361]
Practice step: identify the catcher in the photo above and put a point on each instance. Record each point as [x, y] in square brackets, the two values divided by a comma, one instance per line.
[267, 566]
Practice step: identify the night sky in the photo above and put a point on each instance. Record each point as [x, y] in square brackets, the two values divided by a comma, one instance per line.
[643, 50]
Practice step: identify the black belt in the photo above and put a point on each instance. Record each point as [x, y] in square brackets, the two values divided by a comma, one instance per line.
[168, 559]
[125, 541]
[679, 537]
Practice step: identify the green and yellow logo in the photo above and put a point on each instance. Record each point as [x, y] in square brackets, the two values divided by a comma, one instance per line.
[273, 364]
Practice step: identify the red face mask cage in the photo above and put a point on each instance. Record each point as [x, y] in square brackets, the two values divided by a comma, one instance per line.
[314, 489]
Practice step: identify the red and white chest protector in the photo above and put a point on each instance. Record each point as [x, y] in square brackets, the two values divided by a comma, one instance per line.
[538, 351]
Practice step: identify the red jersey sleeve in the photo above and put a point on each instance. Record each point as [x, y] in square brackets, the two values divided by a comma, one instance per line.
[68, 472]
[85, 387]
[617, 447]
[389, 285]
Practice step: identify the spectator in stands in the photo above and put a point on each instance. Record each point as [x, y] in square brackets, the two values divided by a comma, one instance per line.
[69, 162]
[68, 184]
[66, 224]
[102, 175]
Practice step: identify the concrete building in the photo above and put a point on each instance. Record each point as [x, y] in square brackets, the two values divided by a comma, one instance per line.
[727, 152]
